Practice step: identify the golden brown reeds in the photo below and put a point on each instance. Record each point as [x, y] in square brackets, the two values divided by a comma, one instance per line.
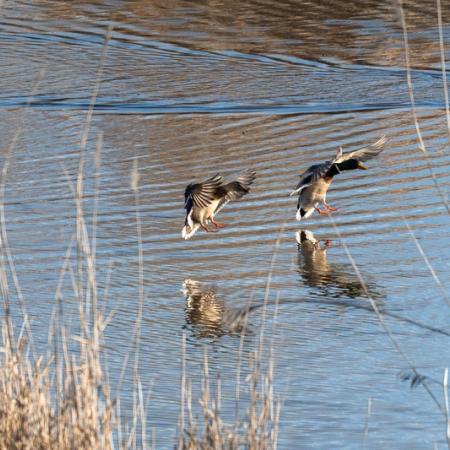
[257, 430]
[35, 415]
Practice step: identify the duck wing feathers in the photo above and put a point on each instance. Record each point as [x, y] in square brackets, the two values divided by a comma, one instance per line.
[202, 194]
[363, 154]
[236, 189]
[311, 175]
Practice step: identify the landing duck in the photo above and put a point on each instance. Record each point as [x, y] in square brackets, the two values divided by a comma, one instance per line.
[315, 181]
[203, 201]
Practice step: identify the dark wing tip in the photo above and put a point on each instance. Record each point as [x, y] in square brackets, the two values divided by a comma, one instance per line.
[188, 188]
[246, 178]
[201, 194]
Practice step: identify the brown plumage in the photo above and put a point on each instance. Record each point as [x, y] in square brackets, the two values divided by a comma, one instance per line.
[204, 200]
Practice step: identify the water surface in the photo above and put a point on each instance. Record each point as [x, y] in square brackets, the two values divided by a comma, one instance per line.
[192, 88]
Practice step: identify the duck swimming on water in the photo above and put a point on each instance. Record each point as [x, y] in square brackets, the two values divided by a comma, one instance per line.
[204, 200]
[315, 181]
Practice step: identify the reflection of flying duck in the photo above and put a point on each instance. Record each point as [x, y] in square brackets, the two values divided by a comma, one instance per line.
[337, 285]
[315, 181]
[203, 201]
[314, 264]
[332, 280]
[209, 317]
[209, 314]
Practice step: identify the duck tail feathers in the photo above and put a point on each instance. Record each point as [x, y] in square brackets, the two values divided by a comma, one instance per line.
[187, 232]
[302, 214]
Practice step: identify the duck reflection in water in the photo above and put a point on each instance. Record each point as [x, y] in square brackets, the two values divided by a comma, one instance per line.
[330, 280]
[337, 284]
[208, 314]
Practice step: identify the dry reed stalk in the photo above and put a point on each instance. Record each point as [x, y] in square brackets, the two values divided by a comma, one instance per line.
[380, 318]
[258, 429]
[422, 146]
[366, 426]
[139, 416]
[183, 395]
[444, 70]
[427, 262]
[447, 415]
[444, 409]
[238, 368]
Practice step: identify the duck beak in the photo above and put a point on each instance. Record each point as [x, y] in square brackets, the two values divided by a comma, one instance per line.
[362, 166]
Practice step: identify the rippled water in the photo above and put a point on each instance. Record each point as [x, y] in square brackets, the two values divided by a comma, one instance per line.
[194, 88]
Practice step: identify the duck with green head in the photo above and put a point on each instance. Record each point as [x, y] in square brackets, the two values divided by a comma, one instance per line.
[315, 181]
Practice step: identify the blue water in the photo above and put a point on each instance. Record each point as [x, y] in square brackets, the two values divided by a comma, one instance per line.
[190, 89]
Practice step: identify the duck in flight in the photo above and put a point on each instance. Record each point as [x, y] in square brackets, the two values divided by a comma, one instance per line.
[204, 200]
[315, 181]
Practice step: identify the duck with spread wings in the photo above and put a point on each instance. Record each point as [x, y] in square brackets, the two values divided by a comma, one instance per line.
[204, 200]
[315, 181]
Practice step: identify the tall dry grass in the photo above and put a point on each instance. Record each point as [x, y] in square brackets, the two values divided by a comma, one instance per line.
[33, 415]
[61, 398]
[205, 428]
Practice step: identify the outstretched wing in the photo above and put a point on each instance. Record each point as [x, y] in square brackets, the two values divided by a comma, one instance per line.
[236, 189]
[365, 153]
[311, 175]
[202, 194]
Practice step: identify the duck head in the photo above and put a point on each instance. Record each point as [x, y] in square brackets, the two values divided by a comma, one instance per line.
[351, 164]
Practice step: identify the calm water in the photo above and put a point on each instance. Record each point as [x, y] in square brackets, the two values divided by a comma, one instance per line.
[190, 88]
